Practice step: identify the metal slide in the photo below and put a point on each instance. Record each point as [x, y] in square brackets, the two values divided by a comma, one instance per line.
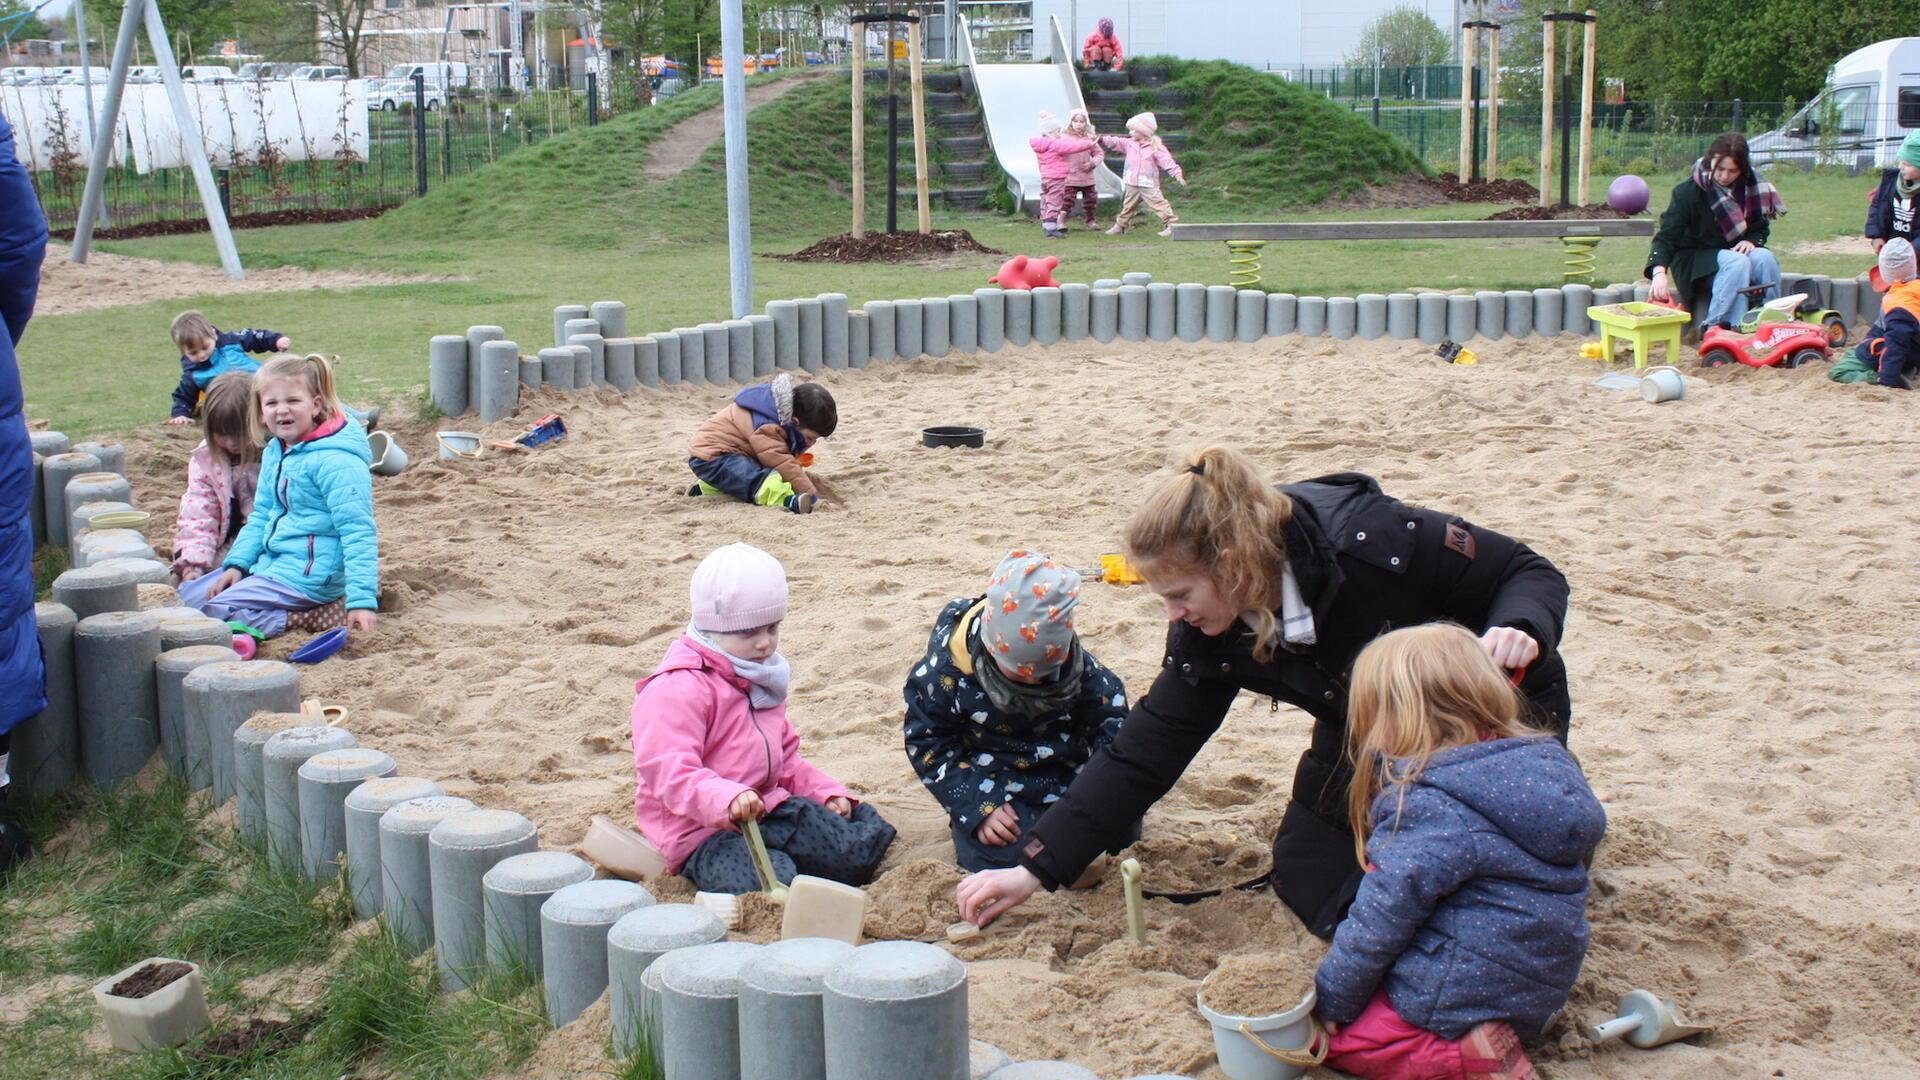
[1011, 97]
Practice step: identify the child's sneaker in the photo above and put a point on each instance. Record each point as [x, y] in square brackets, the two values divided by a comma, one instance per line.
[693, 490]
[1492, 1051]
[802, 504]
[1115, 231]
[313, 620]
[1168, 231]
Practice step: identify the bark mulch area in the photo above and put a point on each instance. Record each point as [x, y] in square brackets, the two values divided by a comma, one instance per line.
[1588, 212]
[890, 247]
[1455, 189]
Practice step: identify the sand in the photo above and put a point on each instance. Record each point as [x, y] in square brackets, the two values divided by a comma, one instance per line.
[106, 280]
[1260, 984]
[1740, 646]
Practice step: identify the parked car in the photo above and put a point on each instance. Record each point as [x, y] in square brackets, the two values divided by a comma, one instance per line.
[268, 70]
[208, 73]
[1872, 97]
[318, 73]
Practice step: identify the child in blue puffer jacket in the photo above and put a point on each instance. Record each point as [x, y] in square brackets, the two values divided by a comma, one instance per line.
[308, 557]
[207, 353]
[1469, 927]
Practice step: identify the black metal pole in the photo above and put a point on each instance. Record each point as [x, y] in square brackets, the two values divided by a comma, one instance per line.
[593, 98]
[1738, 125]
[1566, 140]
[1473, 155]
[893, 138]
[420, 130]
[226, 193]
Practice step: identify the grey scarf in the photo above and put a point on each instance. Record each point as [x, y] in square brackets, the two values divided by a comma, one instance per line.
[1020, 699]
[769, 679]
[1904, 188]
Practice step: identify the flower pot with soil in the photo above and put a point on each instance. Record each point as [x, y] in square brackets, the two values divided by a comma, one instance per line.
[156, 1002]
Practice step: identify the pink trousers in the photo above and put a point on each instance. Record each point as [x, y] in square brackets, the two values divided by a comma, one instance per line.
[1378, 1045]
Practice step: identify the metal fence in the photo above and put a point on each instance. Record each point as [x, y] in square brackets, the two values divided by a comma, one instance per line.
[1425, 82]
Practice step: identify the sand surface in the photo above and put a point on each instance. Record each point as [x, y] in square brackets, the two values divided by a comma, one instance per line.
[107, 280]
[1741, 647]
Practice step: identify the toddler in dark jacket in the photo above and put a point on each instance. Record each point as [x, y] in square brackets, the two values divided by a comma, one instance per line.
[1469, 928]
[206, 353]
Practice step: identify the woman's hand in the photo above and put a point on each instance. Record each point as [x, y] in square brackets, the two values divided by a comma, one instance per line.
[1510, 648]
[841, 805]
[746, 807]
[1001, 828]
[228, 578]
[362, 621]
[987, 895]
[1659, 290]
[1744, 247]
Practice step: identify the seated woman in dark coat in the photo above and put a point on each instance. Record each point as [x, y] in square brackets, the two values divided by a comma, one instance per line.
[1715, 229]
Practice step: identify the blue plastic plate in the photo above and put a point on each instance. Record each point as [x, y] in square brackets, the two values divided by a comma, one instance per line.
[321, 647]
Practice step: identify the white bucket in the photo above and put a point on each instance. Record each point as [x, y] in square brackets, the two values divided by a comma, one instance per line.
[455, 445]
[388, 458]
[1277, 1047]
[1663, 384]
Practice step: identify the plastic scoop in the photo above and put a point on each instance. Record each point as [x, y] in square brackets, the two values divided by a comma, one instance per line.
[762, 864]
[1136, 903]
[1646, 1021]
[321, 647]
[621, 851]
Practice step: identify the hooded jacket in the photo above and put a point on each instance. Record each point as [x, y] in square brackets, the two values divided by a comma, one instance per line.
[1144, 160]
[1080, 166]
[1892, 344]
[312, 523]
[1057, 153]
[1889, 215]
[1099, 39]
[759, 424]
[1475, 906]
[218, 494]
[698, 742]
[23, 243]
[229, 354]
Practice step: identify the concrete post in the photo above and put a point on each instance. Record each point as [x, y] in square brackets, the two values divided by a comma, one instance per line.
[1220, 303]
[1046, 315]
[510, 897]
[786, 333]
[1343, 316]
[112, 456]
[281, 758]
[460, 851]
[1140, 278]
[364, 806]
[1520, 313]
[1846, 297]
[1107, 283]
[612, 317]
[833, 330]
[881, 343]
[1868, 300]
[1370, 315]
[1103, 315]
[1190, 311]
[894, 1009]
[183, 631]
[573, 942]
[46, 748]
[984, 1058]
[406, 877]
[1018, 307]
[1249, 315]
[620, 359]
[780, 991]
[813, 336]
[1402, 319]
[95, 589]
[909, 326]
[1463, 318]
[859, 349]
[324, 784]
[641, 937]
[739, 334]
[582, 365]
[1132, 312]
[576, 327]
[101, 545]
[250, 771]
[565, 314]
[219, 698]
[80, 518]
[1548, 305]
[1283, 314]
[646, 358]
[1642, 292]
[37, 505]
[699, 1010]
[95, 487]
[55, 471]
[993, 318]
[145, 572]
[936, 325]
[1162, 310]
[168, 671]
[556, 367]
[477, 337]
[1310, 318]
[447, 376]
[1076, 311]
[668, 347]
[1431, 317]
[693, 354]
[49, 443]
[596, 346]
[530, 373]
[113, 657]
[500, 380]
[1044, 1070]
[763, 345]
[1573, 310]
[963, 314]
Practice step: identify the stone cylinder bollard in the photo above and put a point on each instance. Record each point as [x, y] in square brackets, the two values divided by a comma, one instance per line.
[94, 487]
[1221, 300]
[881, 342]
[477, 337]
[556, 368]
[406, 877]
[564, 314]
[46, 747]
[55, 471]
[1107, 283]
[97, 589]
[1846, 297]
[1868, 300]
[1431, 317]
[699, 1010]
[667, 347]
[218, 698]
[993, 318]
[763, 345]
[1310, 316]
[1343, 316]
[780, 990]
[717, 346]
[1402, 316]
[37, 505]
[693, 354]
[362, 811]
[1103, 315]
[510, 897]
[983, 1058]
[530, 373]
[115, 691]
[596, 347]
[897, 1008]
[447, 376]
[1463, 318]
[1642, 291]
[1133, 312]
[1283, 314]
[281, 758]
[1548, 305]
[324, 783]
[1076, 311]
[460, 851]
[786, 333]
[1162, 310]
[1046, 315]
[1190, 311]
[499, 380]
[145, 572]
[1520, 313]
[858, 347]
[106, 545]
[1044, 1070]
[646, 360]
[582, 366]
[740, 350]
[909, 327]
[576, 327]
[250, 771]
[638, 939]
[1138, 277]
[1370, 316]
[963, 316]
[1019, 310]
[49, 443]
[573, 942]
[112, 456]
[1249, 315]
[620, 363]
[1573, 310]
[169, 669]
[612, 317]
[812, 333]
[833, 330]
[936, 325]
[181, 631]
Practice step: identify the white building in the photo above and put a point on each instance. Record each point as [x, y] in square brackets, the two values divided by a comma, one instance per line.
[1258, 33]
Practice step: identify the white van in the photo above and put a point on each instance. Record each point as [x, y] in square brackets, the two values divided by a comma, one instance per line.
[208, 73]
[1873, 93]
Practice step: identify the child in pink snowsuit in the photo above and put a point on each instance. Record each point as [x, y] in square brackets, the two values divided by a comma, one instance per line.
[1055, 152]
[1079, 183]
[221, 476]
[713, 748]
[1146, 157]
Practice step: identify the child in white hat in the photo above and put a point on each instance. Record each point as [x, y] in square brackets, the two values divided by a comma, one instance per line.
[1147, 157]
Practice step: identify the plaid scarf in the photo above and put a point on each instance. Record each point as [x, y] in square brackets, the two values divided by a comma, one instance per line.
[1734, 207]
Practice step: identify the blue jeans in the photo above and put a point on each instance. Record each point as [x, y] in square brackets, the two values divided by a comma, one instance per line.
[972, 855]
[1737, 272]
[736, 474]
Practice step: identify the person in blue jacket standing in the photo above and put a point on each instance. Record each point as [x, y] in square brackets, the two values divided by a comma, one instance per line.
[23, 243]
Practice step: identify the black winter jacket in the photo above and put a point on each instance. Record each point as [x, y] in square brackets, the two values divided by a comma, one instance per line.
[229, 349]
[1366, 563]
[1889, 215]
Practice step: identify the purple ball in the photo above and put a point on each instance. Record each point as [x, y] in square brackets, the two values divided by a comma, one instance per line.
[1627, 194]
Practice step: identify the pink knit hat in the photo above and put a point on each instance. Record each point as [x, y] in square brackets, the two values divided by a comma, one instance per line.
[1047, 122]
[737, 587]
[1145, 121]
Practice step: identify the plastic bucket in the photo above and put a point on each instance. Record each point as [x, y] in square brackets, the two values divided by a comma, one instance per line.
[1281, 1046]
[1663, 384]
[455, 445]
[388, 458]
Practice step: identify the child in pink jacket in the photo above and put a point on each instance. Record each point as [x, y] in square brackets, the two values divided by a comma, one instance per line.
[221, 476]
[713, 748]
[1146, 157]
[1080, 170]
[1056, 152]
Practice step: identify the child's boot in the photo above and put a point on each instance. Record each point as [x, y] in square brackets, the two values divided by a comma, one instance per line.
[1168, 231]
[802, 504]
[325, 617]
[1492, 1051]
[1115, 231]
[701, 487]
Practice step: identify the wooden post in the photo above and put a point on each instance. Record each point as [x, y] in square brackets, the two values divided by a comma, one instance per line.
[1493, 102]
[1586, 108]
[916, 36]
[1546, 109]
[859, 35]
[1466, 102]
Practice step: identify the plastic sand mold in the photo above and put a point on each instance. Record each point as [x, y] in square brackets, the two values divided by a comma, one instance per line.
[321, 647]
[239, 627]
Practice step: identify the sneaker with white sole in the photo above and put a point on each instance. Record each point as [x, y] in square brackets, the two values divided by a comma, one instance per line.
[1168, 231]
[1492, 1051]
[1115, 231]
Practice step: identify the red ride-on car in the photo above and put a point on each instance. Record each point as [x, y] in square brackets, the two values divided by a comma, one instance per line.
[1777, 340]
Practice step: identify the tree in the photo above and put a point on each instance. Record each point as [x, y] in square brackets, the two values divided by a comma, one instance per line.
[342, 28]
[1403, 37]
[15, 27]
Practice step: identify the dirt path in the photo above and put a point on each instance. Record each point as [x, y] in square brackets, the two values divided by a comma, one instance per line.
[676, 151]
[116, 280]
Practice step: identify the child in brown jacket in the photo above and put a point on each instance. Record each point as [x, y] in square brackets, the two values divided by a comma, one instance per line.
[756, 448]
